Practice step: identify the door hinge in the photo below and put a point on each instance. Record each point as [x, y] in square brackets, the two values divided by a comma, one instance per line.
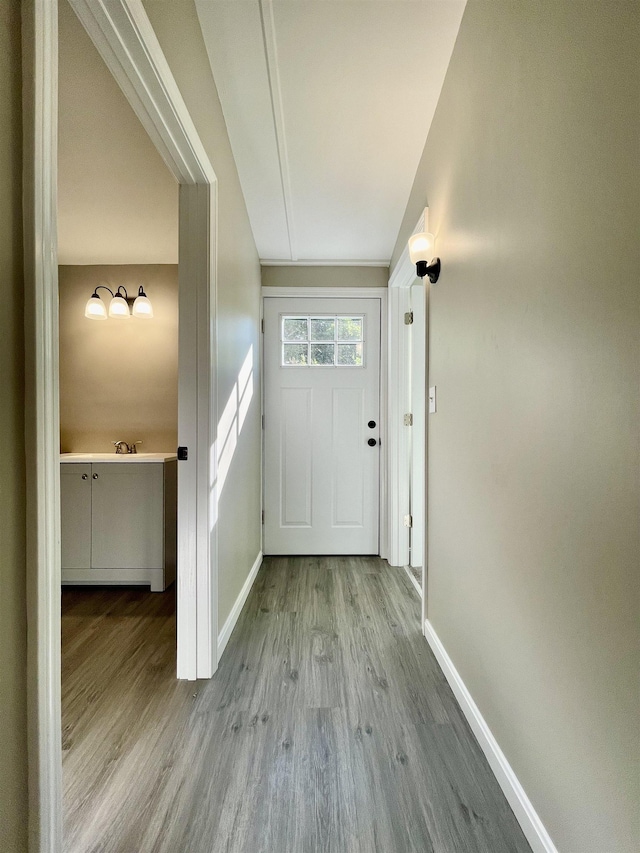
[263, 422]
[262, 326]
[408, 420]
[262, 516]
[408, 318]
[408, 521]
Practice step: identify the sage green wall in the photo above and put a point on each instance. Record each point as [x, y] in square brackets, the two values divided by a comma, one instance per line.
[239, 531]
[118, 379]
[325, 276]
[531, 174]
[13, 628]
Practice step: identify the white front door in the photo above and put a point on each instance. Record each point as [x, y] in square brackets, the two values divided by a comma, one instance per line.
[322, 425]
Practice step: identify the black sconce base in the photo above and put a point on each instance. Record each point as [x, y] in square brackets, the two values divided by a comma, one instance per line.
[432, 270]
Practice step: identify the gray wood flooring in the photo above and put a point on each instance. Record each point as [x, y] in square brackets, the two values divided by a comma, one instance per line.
[328, 728]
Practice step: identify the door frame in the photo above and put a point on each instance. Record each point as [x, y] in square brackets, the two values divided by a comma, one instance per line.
[380, 293]
[400, 450]
[122, 33]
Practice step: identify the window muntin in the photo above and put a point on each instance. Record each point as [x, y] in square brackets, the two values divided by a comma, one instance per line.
[322, 340]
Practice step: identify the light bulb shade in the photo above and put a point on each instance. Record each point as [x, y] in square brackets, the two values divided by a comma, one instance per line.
[142, 308]
[421, 247]
[118, 308]
[95, 308]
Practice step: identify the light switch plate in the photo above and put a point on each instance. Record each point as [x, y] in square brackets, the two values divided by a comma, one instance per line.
[432, 400]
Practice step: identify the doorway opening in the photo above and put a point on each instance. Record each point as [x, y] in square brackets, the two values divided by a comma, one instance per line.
[121, 32]
[408, 434]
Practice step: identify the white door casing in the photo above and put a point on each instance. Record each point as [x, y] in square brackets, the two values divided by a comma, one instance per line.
[407, 460]
[124, 37]
[417, 398]
[322, 477]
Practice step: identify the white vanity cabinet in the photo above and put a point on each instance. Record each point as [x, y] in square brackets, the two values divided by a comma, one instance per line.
[118, 520]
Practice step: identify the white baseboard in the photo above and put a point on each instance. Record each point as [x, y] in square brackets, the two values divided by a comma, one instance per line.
[526, 815]
[230, 624]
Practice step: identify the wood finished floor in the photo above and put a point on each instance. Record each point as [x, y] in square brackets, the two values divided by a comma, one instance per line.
[328, 727]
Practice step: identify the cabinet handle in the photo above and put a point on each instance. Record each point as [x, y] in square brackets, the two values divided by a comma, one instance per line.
[95, 476]
[85, 476]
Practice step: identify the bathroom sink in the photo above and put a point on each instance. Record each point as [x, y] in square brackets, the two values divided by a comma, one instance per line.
[117, 457]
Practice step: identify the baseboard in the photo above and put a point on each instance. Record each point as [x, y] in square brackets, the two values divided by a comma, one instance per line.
[531, 825]
[415, 583]
[230, 624]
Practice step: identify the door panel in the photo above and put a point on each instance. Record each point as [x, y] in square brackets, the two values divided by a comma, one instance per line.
[348, 446]
[322, 374]
[295, 456]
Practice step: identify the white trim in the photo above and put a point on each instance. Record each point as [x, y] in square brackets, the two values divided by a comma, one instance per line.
[327, 292]
[526, 815]
[232, 618]
[42, 434]
[400, 282]
[398, 437]
[270, 43]
[413, 580]
[310, 262]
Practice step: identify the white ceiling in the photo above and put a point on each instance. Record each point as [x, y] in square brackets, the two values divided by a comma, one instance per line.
[328, 104]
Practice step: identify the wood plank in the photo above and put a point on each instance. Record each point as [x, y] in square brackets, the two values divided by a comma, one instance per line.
[328, 728]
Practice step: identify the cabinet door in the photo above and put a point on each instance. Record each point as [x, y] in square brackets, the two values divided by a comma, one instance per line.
[127, 515]
[75, 514]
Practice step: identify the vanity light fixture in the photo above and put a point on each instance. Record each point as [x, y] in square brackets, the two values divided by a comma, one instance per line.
[421, 249]
[142, 307]
[121, 307]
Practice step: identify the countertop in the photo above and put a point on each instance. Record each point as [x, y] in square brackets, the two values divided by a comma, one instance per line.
[117, 457]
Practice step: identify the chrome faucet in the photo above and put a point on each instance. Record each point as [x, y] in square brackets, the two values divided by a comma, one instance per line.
[131, 448]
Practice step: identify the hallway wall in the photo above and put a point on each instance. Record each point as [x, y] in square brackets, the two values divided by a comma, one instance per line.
[531, 175]
[239, 528]
[274, 276]
[13, 622]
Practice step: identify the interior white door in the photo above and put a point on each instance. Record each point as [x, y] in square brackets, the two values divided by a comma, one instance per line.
[322, 425]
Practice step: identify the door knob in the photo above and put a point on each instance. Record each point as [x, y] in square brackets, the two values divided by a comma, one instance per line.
[371, 424]
[95, 476]
[85, 476]
[372, 442]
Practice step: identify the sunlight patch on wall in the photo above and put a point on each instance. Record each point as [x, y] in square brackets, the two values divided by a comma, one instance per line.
[229, 428]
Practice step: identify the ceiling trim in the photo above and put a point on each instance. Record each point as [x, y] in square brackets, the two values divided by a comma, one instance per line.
[273, 72]
[334, 262]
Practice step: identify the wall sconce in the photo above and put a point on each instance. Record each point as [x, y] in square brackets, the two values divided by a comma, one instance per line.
[121, 307]
[421, 249]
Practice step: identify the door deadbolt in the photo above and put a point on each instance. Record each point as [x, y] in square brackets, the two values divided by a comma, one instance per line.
[371, 424]
[372, 442]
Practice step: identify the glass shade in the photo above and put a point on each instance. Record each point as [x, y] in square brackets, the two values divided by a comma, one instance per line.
[118, 308]
[422, 247]
[95, 309]
[142, 308]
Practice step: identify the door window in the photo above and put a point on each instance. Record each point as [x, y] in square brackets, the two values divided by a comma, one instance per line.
[322, 341]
